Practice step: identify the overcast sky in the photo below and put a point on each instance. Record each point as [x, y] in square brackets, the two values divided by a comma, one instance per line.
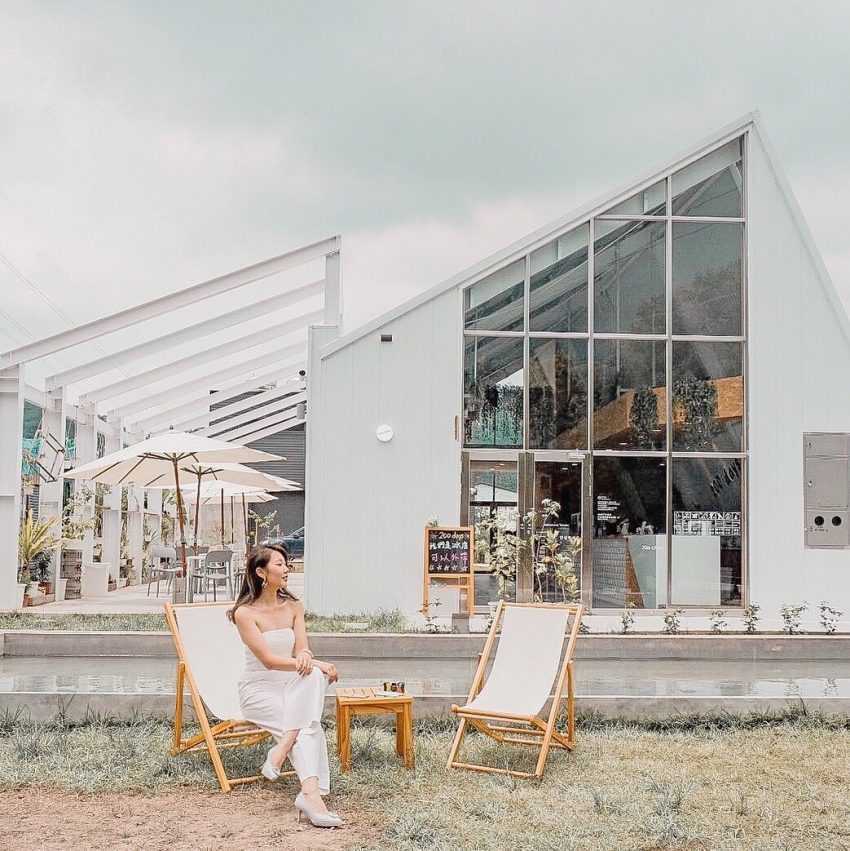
[147, 146]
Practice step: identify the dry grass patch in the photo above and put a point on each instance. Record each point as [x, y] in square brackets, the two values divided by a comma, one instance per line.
[711, 783]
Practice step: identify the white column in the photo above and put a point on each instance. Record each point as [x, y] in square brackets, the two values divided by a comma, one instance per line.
[50, 494]
[333, 289]
[318, 337]
[11, 452]
[86, 452]
[112, 509]
[135, 524]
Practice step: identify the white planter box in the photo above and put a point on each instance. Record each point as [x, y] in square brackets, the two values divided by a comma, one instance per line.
[60, 589]
[94, 581]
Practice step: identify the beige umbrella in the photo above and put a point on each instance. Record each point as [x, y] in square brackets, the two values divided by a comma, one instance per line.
[212, 493]
[181, 457]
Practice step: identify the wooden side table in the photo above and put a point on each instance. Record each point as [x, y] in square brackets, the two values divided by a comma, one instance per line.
[365, 701]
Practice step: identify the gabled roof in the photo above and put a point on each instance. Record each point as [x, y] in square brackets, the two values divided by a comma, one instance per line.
[749, 122]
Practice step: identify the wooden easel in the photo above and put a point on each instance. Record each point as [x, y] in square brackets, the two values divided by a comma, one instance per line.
[462, 580]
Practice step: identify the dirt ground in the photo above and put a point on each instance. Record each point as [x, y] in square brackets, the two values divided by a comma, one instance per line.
[39, 819]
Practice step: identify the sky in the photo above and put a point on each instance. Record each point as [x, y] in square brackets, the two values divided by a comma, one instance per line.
[148, 146]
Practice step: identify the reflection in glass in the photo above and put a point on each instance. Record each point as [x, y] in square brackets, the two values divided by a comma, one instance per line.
[629, 532]
[493, 515]
[493, 391]
[557, 395]
[557, 528]
[496, 302]
[707, 526]
[628, 277]
[712, 186]
[629, 394]
[652, 201]
[708, 396]
[707, 279]
[559, 284]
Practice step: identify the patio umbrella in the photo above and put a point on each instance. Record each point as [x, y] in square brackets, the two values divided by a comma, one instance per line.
[175, 459]
[214, 493]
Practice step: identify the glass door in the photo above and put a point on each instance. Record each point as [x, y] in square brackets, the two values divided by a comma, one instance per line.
[492, 506]
[556, 528]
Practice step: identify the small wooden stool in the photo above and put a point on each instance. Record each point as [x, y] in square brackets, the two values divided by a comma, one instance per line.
[364, 701]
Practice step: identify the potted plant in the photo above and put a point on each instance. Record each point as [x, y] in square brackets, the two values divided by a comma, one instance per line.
[35, 537]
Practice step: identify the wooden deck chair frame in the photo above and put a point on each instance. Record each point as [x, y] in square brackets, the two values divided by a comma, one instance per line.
[530, 730]
[213, 738]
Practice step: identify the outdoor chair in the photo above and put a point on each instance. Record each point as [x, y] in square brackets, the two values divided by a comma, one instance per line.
[163, 566]
[527, 665]
[210, 659]
[216, 568]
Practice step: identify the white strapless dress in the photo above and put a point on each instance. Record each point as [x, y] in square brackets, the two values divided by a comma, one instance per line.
[279, 701]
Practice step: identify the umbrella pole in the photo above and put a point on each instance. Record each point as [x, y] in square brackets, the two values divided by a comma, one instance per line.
[232, 525]
[197, 511]
[245, 524]
[222, 518]
[182, 527]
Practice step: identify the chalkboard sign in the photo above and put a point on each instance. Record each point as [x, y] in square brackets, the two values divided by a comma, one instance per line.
[448, 550]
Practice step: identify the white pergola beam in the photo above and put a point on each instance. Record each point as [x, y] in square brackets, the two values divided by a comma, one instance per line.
[167, 304]
[205, 356]
[272, 362]
[275, 408]
[202, 420]
[274, 429]
[259, 425]
[184, 335]
[163, 420]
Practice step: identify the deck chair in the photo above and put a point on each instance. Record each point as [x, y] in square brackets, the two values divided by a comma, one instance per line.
[528, 663]
[210, 659]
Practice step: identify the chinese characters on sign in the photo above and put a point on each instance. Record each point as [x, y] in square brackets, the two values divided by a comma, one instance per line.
[724, 523]
[449, 550]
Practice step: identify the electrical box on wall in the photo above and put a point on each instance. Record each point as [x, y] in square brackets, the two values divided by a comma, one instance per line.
[826, 486]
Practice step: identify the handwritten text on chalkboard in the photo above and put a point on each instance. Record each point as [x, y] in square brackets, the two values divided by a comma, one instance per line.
[448, 550]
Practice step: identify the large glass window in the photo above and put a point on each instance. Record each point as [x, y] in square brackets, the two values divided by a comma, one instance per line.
[629, 388]
[707, 271]
[493, 391]
[629, 532]
[708, 397]
[558, 293]
[496, 303]
[652, 201]
[628, 277]
[711, 186]
[707, 532]
[557, 394]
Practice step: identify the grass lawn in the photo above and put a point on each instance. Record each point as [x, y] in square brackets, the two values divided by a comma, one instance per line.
[711, 783]
[391, 621]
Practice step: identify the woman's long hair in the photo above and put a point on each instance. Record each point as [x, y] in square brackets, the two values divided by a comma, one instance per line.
[252, 584]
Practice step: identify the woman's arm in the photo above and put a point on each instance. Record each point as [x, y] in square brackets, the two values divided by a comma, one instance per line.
[301, 651]
[251, 635]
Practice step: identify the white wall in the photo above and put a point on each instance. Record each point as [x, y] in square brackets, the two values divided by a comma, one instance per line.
[368, 502]
[799, 366]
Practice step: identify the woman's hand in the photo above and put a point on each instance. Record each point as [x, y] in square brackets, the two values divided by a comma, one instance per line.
[328, 669]
[304, 663]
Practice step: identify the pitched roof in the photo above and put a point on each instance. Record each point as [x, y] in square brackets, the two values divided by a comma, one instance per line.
[751, 121]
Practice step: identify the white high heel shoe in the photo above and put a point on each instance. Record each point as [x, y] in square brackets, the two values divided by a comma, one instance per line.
[316, 818]
[268, 770]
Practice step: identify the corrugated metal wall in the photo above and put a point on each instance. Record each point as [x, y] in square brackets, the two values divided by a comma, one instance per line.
[292, 445]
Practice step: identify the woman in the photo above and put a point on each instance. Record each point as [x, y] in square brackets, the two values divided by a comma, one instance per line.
[283, 687]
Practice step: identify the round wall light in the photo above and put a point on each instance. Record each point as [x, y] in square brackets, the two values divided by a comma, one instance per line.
[384, 433]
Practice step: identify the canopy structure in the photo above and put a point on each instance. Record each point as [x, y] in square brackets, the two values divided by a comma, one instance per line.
[223, 359]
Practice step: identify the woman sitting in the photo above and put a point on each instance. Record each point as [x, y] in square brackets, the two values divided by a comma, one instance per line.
[282, 689]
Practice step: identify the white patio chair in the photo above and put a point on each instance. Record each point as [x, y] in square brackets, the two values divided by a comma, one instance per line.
[210, 660]
[528, 669]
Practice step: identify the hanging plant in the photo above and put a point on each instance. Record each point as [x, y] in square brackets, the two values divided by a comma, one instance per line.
[643, 417]
[695, 403]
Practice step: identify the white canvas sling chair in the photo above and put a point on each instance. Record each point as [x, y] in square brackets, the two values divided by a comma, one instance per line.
[210, 660]
[527, 670]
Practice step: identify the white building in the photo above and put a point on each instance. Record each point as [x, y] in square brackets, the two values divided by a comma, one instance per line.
[697, 307]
